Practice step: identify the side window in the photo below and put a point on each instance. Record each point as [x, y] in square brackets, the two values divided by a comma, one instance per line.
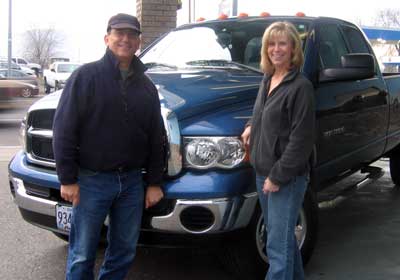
[252, 52]
[356, 40]
[15, 74]
[332, 46]
[21, 61]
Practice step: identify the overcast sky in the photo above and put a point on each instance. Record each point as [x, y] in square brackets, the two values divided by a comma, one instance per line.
[83, 22]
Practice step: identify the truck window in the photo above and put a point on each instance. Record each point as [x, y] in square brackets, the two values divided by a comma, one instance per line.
[21, 61]
[355, 39]
[332, 46]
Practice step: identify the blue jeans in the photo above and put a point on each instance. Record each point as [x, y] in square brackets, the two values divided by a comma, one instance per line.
[121, 196]
[281, 211]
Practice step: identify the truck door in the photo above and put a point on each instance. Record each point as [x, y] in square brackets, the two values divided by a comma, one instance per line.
[352, 115]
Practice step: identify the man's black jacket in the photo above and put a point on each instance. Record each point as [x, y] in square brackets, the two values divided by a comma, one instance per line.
[103, 123]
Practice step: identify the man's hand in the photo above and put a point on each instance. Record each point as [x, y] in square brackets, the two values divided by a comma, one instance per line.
[70, 193]
[153, 196]
[246, 136]
[269, 186]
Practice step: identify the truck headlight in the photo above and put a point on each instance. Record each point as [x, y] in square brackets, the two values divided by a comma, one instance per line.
[22, 134]
[208, 152]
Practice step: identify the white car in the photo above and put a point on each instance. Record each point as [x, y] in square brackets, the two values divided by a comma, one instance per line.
[57, 74]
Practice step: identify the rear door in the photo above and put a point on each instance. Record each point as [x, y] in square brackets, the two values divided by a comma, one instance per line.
[352, 115]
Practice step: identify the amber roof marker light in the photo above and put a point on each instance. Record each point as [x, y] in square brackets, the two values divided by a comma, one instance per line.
[265, 14]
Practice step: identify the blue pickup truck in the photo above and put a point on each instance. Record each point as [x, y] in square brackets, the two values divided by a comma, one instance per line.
[207, 75]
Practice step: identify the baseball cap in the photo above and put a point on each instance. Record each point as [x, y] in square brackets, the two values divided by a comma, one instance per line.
[120, 21]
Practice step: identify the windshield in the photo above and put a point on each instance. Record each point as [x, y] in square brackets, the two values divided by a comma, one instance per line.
[67, 68]
[215, 44]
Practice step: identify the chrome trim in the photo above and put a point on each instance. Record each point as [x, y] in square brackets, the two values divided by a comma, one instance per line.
[174, 141]
[32, 203]
[44, 133]
[34, 160]
[229, 214]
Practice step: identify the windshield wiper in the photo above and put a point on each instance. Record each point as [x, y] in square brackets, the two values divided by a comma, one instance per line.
[220, 63]
[159, 64]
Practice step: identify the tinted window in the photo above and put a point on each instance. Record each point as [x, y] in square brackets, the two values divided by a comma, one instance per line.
[356, 40]
[332, 46]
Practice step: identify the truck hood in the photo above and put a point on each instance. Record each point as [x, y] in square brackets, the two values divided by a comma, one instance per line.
[193, 92]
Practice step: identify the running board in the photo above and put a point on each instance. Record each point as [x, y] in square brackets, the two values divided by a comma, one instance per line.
[374, 173]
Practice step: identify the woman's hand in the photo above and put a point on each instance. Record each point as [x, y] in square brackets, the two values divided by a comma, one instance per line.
[269, 187]
[246, 136]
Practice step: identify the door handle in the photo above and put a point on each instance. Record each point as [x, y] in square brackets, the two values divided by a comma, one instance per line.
[358, 98]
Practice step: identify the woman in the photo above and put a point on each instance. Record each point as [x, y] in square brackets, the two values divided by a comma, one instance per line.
[281, 136]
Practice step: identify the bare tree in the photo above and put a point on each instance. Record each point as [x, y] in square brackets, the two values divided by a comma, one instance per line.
[41, 44]
[389, 18]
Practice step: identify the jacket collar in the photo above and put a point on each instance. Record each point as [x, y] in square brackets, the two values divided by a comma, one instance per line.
[135, 68]
[291, 75]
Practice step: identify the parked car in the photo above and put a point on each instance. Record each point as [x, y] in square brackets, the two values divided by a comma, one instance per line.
[25, 63]
[208, 77]
[22, 84]
[26, 70]
[57, 74]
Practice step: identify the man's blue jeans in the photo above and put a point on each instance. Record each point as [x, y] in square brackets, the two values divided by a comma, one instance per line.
[121, 196]
[281, 210]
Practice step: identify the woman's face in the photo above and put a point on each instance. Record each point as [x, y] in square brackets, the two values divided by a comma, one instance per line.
[280, 50]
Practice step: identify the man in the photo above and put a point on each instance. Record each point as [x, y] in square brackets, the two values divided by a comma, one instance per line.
[107, 128]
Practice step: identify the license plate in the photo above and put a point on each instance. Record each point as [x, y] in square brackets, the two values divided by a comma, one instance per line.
[63, 216]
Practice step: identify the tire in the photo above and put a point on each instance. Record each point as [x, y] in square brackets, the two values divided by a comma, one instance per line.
[61, 236]
[46, 87]
[246, 258]
[26, 92]
[56, 87]
[395, 167]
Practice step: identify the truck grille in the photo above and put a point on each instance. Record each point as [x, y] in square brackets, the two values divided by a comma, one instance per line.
[42, 148]
[39, 137]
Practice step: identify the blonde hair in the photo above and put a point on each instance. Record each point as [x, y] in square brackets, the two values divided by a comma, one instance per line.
[281, 28]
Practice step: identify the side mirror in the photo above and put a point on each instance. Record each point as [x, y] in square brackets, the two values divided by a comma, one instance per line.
[52, 70]
[355, 66]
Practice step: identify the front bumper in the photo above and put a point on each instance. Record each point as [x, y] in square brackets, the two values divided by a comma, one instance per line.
[195, 203]
[187, 216]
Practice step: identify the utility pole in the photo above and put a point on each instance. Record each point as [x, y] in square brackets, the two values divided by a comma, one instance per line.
[234, 7]
[9, 37]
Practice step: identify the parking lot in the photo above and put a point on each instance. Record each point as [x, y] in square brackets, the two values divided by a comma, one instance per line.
[359, 238]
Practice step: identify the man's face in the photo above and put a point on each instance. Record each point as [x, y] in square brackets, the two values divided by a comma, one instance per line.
[123, 43]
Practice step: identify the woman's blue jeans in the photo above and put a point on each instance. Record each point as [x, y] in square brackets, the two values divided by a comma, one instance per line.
[281, 211]
[119, 195]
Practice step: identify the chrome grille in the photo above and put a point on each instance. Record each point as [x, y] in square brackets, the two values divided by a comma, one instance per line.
[39, 138]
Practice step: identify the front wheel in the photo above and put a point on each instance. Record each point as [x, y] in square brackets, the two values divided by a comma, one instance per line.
[26, 92]
[246, 258]
[47, 87]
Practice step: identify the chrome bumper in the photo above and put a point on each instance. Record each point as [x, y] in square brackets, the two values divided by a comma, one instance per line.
[227, 213]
